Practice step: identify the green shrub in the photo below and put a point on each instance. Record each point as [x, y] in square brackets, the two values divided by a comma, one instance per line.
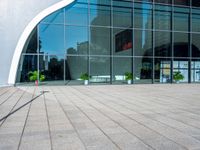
[128, 76]
[33, 76]
[177, 76]
[84, 76]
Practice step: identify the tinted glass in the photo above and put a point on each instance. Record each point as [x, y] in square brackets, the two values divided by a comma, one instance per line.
[99, 41]
[75, 66]
[162, 70]
[182, 2]
[51, 39]
[181, 21]
[143, 43]
[196, 21]
[143, 16]
[162, 20]
[100, 69]
[121, 65]
[181, 45]
[195, 3]
[181, 65]
[195, 70]
[77, 14]
[122, 14]
[143, 70]
[195, 45]
[163, 1]
[100, 14]
[163, 44]
[27, 63]
[52, 66]
[76, 40]
[56, 17]
[122, 42]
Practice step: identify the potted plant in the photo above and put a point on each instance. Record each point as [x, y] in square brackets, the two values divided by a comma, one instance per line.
[33, 76]
[85, 77]
[128, 77]
[177, 76]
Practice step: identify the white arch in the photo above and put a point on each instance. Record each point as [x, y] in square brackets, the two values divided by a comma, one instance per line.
[29, 28]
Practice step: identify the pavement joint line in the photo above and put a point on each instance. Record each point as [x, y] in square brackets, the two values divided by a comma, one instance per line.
[116, 122]
[7, 89]
[94, 124]
[4, 118]
[9, 97]
[69, 120]
[139, 123]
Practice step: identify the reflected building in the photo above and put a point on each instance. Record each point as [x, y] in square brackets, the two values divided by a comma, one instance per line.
[107, 38]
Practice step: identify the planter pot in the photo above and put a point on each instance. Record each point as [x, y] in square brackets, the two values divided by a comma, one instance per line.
[36, 83]
[128, 81]
[86, 82]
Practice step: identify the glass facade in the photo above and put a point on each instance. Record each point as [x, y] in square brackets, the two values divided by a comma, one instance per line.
[151, 39]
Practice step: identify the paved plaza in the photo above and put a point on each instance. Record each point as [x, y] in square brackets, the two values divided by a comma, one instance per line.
[104, 117]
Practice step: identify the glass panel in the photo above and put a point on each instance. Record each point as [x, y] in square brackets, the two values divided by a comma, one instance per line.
[162, 20]
[181, 21]
[77, 14]
[27, 63]
[100, 14]
[181, 45]
[122, 14]
[181, 65]
[163, 44]
[162, 70]
[99, 41]
[196, 22]
[52, 66]
[143, 43]
[195, 71]
[121, 65]
[31, 45]
[74, 68]
[182, 2]
[56, 17]
[195, 3]
[100, 70]
[143, 70]
[76, 38]
[51, 39]
[143, 16]
[122, 39]
[163, 1]
[195, 45]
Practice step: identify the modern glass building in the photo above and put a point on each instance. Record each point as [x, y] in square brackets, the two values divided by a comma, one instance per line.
[106, 38]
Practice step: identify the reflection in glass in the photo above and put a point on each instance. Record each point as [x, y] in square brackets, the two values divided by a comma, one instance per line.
[100, 15]
[196, 22]
[163, 44]
[162, 70]
[99, 41]
[74, 67]
[122, 14]
[77, 14]
[162, 20]
[52, 66]
[195, 71]
[123, 44]
[143, 70]
[181, 21]
[76, 40]
[56, 17]
[195, 3]
[182, 2]
[51, 39]
[195, 45]
[181, 45]
[27, 63]
[31, 45]
[163, 1]
[100, 70]
[143, 16]
[121, 65]
[143, 43]
[181, 65]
